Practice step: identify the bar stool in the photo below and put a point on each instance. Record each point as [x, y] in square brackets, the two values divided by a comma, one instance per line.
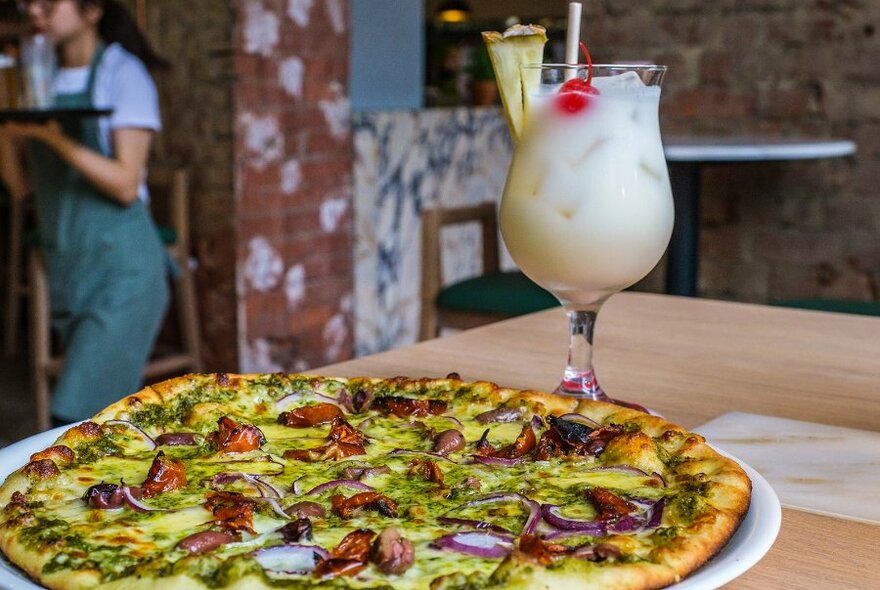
[45, 366]
[492, 296]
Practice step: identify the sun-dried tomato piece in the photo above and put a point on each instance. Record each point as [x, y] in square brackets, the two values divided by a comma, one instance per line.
[403, 407]
[343, 432]
[345, 441]
[550, 445]
[566, 437]
[427, 469]
[609, 505]
[523, 445]
[349, 557]
[333, 450]
[232, 511]
[344, 507]
[539, 550]
[484, 447]
[330, 568]
[165, 474]
[355, 545]
[232, 437]
[600, 437]
[310, 415]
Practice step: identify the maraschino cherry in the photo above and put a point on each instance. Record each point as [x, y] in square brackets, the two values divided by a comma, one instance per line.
[574, 96]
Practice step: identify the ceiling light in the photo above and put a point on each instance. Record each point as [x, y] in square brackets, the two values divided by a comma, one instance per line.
[453, 11]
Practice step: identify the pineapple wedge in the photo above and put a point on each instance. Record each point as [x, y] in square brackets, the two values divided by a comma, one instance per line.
[518, 45]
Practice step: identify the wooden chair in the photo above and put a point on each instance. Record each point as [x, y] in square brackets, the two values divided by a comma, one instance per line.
[490, 297]
[45, 366]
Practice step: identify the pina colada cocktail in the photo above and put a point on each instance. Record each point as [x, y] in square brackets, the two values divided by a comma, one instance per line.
[587, 208]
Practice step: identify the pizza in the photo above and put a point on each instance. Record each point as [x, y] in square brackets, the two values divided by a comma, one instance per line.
[303, 481]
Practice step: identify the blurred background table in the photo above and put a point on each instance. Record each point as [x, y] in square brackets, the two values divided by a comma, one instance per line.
[693, 360]
[687, 156]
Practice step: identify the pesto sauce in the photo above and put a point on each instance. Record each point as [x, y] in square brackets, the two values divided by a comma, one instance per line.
[46, 531]
[665, 535]
[89, 452]
[687, 505]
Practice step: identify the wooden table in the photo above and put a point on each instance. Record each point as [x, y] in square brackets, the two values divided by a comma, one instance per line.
[693, 360]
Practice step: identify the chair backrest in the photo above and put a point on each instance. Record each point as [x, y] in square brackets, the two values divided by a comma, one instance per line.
[433, 221]
[179, 209]
[170, 202]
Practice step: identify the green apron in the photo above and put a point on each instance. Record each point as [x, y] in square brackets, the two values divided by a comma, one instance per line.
[107, 274]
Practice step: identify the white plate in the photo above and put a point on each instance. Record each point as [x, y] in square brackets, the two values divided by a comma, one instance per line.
[747, 546]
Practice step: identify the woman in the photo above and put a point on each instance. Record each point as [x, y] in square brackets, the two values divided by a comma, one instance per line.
[105, 263]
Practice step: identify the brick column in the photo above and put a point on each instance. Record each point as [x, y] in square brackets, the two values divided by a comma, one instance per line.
[293, 187]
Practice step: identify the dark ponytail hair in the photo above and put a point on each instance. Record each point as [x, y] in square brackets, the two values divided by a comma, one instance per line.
[118, 26]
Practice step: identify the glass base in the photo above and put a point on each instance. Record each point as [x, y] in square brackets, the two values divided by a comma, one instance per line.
[581, 384]
[585, 386]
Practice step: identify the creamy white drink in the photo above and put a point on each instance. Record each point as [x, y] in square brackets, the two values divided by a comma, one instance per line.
[587, 207]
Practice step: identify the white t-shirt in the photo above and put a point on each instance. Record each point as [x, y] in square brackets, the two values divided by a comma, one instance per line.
[123, 84]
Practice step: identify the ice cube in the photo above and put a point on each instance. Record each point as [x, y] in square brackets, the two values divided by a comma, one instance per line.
[625, 81]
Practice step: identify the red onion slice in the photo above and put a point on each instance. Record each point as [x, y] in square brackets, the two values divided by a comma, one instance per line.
[139, 432]
[348, 483]
[485, 545]
[265, 489]
[593, 528]
[452, 419]
[276, 507]
[290, 559]
[366, 422]
[580, 419]
[535, 515]
[660, 478]
[271, 489]
[136, 504]
[656, 514]
[477, 524]
[297, 487]
[497, 460]
[422, 453]
[534, 508]
[496, 497]
[628, 523]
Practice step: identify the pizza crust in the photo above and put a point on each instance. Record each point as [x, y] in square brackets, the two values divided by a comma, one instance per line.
[729, 498]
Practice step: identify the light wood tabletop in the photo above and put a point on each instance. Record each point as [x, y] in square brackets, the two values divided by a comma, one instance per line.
[693, 360]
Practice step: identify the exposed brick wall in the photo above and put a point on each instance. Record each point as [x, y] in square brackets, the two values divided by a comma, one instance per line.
[256, 106]
[292, 167]
[196, 100]
[782, 230]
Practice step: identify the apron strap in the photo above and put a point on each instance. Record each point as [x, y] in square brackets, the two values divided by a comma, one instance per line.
[93, 68]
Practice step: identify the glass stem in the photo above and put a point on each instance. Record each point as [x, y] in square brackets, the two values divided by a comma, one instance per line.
[579, 378]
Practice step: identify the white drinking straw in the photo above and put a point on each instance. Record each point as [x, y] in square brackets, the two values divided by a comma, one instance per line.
[572, 38]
